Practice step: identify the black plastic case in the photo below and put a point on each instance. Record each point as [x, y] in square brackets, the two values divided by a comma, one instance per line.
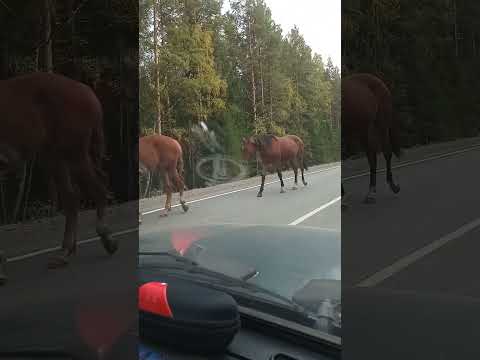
[198, 320]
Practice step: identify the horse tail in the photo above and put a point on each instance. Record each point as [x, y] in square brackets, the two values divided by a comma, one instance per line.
[386, 111]
[181, 169]
[180, 165]
[97, 149]
[395, 140]
[301, 152]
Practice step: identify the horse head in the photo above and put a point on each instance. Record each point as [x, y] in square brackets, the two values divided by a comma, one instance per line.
[263, 142]
[249, 147]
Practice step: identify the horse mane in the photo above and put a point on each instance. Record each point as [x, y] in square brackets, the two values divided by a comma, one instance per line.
[264, 141]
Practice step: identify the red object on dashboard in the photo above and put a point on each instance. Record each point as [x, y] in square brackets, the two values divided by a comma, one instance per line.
[152, 298]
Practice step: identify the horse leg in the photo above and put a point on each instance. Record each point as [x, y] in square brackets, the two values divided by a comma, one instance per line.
[279, 173]
[180, 185]
[387, 153]
[303, 177]
[302, 169]
[295, 171]
[147, 186]
[263, 173]
[94, 188]
[69, 198]
[3, 274]
[372, 161]
[168, 189]
[53, 195]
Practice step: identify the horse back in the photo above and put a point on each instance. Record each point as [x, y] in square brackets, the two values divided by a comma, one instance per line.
[359, 104]
[159, 152]
[291, 147]
[48, 110]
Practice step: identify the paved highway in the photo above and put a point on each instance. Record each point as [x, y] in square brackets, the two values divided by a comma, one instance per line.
[410, 262]
[317, 204]
[43, 308]
[48, 309]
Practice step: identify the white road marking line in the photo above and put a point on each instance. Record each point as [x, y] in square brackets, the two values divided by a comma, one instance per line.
[313, 212]
[406, 261]
[56, 248]
[409, 163]
[238, 190]
[96, 238]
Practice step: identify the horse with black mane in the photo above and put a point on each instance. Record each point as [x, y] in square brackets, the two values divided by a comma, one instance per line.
[275, 153]
[367, 118]
[60, 121]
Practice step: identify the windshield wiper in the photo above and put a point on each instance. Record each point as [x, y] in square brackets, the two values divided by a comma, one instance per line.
[217, 280]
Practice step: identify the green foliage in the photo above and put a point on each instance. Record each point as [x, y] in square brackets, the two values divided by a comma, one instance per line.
[237, 73]
[412, 46]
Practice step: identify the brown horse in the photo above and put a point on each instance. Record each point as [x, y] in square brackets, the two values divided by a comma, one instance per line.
[367, 118]
[60, 120]
[275, 153]
[164, 155]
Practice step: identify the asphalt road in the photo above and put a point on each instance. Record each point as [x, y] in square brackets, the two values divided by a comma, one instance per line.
[316, 204]
[48, 309]
[43, 308]
[410, 262]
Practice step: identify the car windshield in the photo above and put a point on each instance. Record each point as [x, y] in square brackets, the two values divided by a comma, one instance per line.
[239, 155]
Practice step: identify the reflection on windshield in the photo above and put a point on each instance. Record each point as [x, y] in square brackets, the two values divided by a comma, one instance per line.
[239, 258]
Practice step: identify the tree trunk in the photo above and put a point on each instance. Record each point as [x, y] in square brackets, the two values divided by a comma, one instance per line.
[157, 75]
[252, 75]
[47, 63]
[261, 81]
[168, 118]
[271, 101]
[455, 29]
[28, 189]
[20, 193]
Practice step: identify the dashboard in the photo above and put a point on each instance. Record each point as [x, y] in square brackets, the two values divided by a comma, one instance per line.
[254, 341]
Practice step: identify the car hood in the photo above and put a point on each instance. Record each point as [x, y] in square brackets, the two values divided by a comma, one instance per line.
[283, 259]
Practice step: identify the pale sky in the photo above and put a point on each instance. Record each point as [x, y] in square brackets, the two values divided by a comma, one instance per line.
[319, 21]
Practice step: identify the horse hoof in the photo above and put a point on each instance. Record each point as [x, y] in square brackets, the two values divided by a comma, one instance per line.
[162, 215]
[282, 191]
[395, 188]
[110, 245]
[185, 207]
[259, 194]
[305, 183]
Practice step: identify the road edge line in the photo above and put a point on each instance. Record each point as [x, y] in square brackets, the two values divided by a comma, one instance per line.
[315, 211]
